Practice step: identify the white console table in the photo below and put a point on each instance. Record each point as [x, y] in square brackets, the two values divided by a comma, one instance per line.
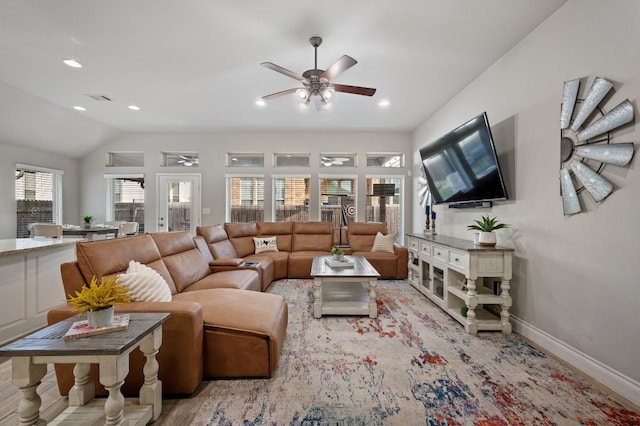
[459, 276]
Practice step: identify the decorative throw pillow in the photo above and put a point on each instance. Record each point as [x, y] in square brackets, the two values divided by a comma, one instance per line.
[383, 242]
[144, 284]
[265, 244]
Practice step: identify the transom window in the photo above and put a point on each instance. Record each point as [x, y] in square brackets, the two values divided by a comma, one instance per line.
[124, 159]
[235, 159]
[291, 160]
[338, 160]
[391, 159]
[180, 159]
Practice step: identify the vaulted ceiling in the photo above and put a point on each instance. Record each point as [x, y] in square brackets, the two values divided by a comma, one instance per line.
[194, 65]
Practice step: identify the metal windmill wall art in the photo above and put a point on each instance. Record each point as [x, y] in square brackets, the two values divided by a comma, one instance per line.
[586, 142]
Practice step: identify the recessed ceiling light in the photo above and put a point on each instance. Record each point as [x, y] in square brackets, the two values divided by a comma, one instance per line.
[134, 108]
[72, 63]
[383, 103]
[261, 102]
[79, 108]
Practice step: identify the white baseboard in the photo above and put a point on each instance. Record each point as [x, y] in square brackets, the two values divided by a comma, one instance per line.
[614, 380]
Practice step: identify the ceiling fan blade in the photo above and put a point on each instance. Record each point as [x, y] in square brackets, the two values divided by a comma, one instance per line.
[284, 71]
[278, 94]
[597, 92]
[598, 187]
[570, 201]
[338, 67]
[622, 114]
[356, 90]
[616, 154]
[569, 97]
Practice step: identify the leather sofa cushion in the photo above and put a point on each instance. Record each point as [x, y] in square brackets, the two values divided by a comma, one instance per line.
[244, 279]
[280, 260]
[218, 241]
[183, 260]
[104, 258]
[362, 235]
[312, 236]
[241, 236]
[243, 332]
[281, 230]
[300, 263]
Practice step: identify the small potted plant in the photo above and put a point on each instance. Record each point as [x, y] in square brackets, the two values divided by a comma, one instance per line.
[486, 226]
[87, 221]
[98, 300]
[338, 253]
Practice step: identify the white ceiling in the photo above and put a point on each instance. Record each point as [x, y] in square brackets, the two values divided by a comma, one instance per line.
[194, 65]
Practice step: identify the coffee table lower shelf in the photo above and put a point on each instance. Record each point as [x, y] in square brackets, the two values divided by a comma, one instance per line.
[344, 298]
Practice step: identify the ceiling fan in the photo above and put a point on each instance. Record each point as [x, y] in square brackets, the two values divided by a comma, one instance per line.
[188, 160]
[316, 82]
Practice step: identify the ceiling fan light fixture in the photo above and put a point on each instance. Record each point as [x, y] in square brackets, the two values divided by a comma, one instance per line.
[328, 94]
[303, 95]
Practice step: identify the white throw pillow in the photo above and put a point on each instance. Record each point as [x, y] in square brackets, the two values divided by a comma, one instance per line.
[383, 242]
[264, 245]
[144, 284]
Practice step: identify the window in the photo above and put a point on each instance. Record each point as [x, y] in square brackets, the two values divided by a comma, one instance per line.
[180, 159]
[244, 160]
[291, 160]
[125, 159]
[338, 160]
[291, 198]
[245, 198]
[337, 200]
[385, 159]
[384, 203]
[38, 197]
[125, 198]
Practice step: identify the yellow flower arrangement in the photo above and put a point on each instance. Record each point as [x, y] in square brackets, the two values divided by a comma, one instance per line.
[99, 296]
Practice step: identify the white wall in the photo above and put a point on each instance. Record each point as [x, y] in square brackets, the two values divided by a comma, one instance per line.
[575, 288]
[10, 155]
[212, 149]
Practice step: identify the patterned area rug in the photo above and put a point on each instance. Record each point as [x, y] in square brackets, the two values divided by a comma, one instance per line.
[413, 365]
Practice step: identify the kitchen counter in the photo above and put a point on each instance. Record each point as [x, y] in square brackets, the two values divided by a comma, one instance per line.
[30, 282]
[10, 246]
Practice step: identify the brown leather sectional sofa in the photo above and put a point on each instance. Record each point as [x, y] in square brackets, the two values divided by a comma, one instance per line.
[221, 324]
[232, 244]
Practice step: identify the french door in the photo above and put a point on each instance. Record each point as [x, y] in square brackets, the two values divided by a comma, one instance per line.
[178, 198]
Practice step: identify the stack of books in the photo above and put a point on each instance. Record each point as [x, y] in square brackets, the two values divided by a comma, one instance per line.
[80, 329]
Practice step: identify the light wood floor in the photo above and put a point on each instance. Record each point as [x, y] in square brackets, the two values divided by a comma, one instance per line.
[174, 411]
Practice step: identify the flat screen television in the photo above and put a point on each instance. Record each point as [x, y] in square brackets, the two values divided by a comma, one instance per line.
[462, 167]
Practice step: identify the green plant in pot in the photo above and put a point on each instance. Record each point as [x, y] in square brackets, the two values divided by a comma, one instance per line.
[87, 221]
[486, 226]
[98, 299]
[338, 253]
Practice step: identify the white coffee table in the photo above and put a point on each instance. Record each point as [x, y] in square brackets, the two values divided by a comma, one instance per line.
[344, 290]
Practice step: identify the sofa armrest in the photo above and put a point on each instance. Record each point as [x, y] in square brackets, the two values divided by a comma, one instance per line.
[232, 261]
[402, 270]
